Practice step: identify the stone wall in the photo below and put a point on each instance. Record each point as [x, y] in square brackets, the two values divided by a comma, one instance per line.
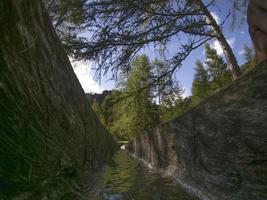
[217, 150]
[51, 142]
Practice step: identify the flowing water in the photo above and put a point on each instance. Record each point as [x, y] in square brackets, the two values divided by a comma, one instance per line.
[128, 179]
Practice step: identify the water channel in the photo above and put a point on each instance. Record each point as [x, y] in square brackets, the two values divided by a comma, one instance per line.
[128, 179]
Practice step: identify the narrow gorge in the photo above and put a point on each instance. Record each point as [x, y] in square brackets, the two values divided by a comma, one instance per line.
[53, 146]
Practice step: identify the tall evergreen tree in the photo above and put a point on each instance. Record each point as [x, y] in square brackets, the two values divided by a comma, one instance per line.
[201, 84]
[219, 74]
[140, 107]
[164, 86]
[169, 93]
[249, 56]
[215, 77]
[134, 111]
[172, 103]
[218, 33]
[130, 111]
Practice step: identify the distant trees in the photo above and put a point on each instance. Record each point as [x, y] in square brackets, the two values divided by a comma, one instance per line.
[133, 109]
[98, 110]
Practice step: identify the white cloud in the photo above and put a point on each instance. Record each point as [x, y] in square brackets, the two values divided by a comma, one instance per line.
[231, 41]
[216, 45]
[241, 52]
[216, 17]
[186, 93]
[86, 77]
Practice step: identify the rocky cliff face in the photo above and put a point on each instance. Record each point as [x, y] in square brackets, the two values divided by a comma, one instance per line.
[99, 98]
[50, 140]
[218, 150]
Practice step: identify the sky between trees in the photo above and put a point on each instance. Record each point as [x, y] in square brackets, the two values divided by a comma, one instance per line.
[236, 38]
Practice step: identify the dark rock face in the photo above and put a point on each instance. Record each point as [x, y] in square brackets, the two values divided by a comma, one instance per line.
[99, 98]
[50, 140]
[218, 150]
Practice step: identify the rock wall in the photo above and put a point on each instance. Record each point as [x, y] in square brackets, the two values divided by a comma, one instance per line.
[218, 150]
[50, 140]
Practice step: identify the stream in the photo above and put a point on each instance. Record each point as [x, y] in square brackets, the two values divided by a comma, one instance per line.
[128, 179]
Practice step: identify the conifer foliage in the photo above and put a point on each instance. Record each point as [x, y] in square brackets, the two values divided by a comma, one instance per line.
[210, 76]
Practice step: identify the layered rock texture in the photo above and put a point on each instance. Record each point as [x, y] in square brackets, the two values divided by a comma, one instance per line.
[218, 150]
[50, 140]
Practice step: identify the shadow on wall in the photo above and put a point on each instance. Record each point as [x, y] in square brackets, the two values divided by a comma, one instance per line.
[50, 140]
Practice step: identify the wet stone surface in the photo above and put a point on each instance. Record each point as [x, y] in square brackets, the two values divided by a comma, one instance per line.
[128, 179]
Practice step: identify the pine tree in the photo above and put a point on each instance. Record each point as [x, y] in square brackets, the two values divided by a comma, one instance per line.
[164, 88]
[131, 112]
[141, 101]
[215, 77]
[136, 113]
[249, 56]
[217, 30]
[201, 85]
[219, 74]
[173, 104]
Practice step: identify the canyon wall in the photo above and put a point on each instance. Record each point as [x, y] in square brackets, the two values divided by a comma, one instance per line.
[217, 150]
[51, 142]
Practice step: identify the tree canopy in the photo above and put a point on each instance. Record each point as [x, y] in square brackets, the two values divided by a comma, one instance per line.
[210, 76]
[112, 32]
[136, 114]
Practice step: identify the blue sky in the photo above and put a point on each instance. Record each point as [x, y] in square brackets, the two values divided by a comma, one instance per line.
[236, 38]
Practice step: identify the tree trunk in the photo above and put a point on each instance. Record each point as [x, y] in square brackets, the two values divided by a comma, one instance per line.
[227, 50]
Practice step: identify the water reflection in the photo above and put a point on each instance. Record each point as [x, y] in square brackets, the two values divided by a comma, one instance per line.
[128, 179]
